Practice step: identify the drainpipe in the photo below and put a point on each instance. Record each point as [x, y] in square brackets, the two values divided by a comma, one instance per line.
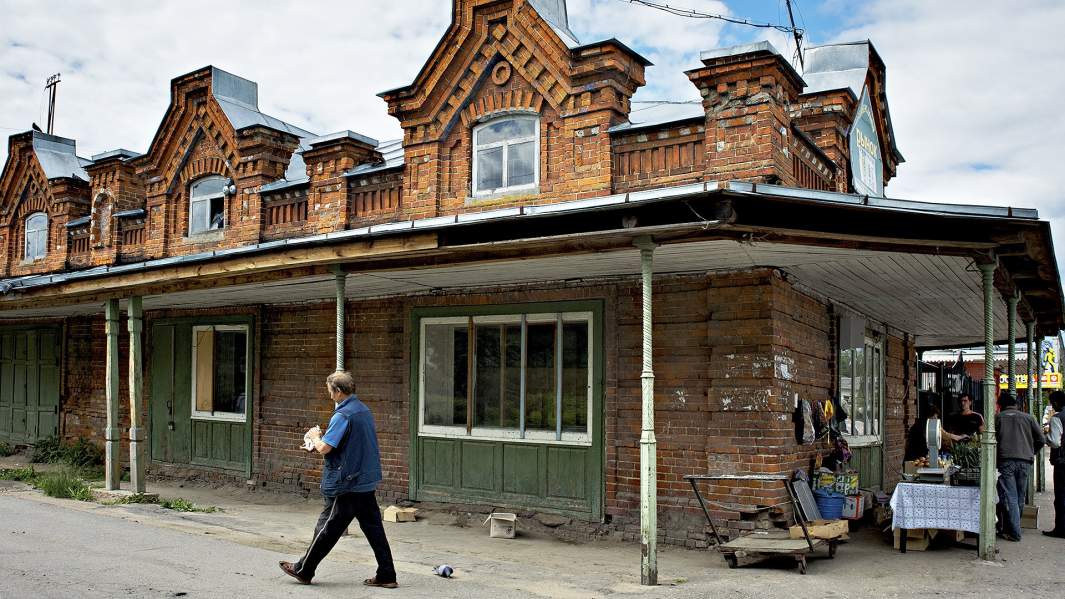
[341, 279]
[988, 443]
[1029, 370]
[113, 435]
[648, 444]
[137, 433]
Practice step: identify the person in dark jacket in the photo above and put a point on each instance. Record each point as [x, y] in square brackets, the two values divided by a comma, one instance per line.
[1057, 459]
[1019, 438]
[350, 476]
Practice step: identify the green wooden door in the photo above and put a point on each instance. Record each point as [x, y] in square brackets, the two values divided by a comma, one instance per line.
[178, 435]
[29, 384]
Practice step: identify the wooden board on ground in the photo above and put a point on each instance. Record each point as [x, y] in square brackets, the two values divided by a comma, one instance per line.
[822, 529]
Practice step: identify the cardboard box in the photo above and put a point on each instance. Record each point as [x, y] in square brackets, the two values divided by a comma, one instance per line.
[847, 484]
[824, 480]
[909, 467]
[400, 514]
[821, 529]
[1030, 516]
[504, 525]
[854, 507]
[917, 539]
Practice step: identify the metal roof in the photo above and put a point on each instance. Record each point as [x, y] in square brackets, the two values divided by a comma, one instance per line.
[528, 212]
[655, 113]
[391, 152]
[58, 158]
[120, 152]
[239, 100]
[77, 222]
[556, 15]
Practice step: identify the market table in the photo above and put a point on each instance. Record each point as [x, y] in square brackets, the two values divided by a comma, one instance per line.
[917, 505]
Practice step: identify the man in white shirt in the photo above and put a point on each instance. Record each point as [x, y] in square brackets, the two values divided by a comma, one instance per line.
[1057, 459]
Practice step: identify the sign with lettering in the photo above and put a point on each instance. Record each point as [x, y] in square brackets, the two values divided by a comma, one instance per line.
[1051, 380]
[867, 165]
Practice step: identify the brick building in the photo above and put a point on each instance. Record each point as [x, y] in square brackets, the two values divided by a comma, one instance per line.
[488, 271]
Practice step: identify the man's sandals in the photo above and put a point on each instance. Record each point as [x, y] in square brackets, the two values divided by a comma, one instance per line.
[290, 569]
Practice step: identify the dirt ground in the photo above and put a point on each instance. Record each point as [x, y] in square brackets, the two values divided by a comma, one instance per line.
[538, 565]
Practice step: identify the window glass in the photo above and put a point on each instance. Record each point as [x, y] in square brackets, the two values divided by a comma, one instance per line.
[220, 372]
[506, 154]
[521, 384]
[521, 166]
[497, 389]
[861, 390]
[490, 168]
[575, 376]
[444, 368]
[206, 204]
[36, 236]
[540, 379]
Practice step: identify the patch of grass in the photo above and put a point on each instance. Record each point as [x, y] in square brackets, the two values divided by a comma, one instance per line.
[179, 504]
[6, 449]
[79, 454]
[64, 484]
[135, 498]
[26, 475]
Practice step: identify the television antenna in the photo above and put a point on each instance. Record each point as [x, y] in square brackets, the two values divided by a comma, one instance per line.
[51, 85]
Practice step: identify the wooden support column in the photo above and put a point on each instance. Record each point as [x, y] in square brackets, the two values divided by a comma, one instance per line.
[648, 443]
[1011, 329]
[137, 434]
[1040, 463]
[113, 435]
[988, 443]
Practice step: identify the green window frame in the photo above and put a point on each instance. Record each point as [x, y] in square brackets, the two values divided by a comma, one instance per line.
[522, 377]
[862, 392]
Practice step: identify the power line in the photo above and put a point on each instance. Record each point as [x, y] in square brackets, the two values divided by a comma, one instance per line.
[695, 14]
[798, 36]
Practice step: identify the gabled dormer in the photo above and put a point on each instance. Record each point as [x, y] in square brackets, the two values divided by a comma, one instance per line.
[844, 108]
[212, 152]
[511, 108]
[43, 186]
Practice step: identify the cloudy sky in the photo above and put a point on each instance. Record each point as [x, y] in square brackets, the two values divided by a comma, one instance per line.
[974, 86]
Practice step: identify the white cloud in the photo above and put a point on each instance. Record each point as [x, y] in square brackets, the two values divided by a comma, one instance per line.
[974, 86]
[975, 90]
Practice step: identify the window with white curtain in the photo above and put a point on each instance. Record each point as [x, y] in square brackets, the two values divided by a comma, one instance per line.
[206, 204]
[506, 155]
[36, 236]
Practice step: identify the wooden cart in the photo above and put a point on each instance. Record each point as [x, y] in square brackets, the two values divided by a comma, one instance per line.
[768, 543]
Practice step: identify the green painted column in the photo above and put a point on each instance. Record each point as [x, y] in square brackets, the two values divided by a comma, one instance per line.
[648, 443]
[113, 374]
[341, 280]
[1040, 463]
[137, 434]
[988, 443]
[1030, 372]
[1011, 331]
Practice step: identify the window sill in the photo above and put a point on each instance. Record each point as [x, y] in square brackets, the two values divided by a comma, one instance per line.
[34, 262]
[505, 439]
[481, 198]
[235, 418]
[206, 236]
[862, 440]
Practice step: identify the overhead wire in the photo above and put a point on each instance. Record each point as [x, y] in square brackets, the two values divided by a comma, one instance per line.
[696, 14]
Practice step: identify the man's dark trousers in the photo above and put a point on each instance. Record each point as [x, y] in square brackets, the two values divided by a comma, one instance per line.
[1059, 499]
[338, 513]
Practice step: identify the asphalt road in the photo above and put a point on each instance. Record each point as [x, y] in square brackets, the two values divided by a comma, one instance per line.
[51, 551]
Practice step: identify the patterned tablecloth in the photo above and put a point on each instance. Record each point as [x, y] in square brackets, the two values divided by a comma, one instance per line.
[936, 506]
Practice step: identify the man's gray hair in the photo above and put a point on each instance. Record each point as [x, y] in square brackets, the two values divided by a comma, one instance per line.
[341, 381]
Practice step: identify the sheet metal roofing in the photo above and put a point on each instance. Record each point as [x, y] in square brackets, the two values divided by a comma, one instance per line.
[530, 212]
[296, 174]
[58, 157]
[655, 113]
[838, 66]
[239, 99]
[557, 15]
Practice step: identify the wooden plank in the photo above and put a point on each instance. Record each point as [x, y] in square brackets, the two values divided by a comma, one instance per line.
[758, 544]
[204, 370]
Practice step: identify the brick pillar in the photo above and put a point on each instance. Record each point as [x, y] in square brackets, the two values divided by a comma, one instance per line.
[746, 92]
[826, 117]
[327, 160]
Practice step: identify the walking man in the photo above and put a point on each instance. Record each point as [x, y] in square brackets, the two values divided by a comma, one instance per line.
[1057, 459]
[1019, 438]
[349, 478]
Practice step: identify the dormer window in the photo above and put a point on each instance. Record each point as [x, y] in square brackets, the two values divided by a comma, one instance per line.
[506, 155]
[36, 236]
[207, 205]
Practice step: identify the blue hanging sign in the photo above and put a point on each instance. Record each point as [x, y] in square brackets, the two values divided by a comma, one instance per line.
[867, 165]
